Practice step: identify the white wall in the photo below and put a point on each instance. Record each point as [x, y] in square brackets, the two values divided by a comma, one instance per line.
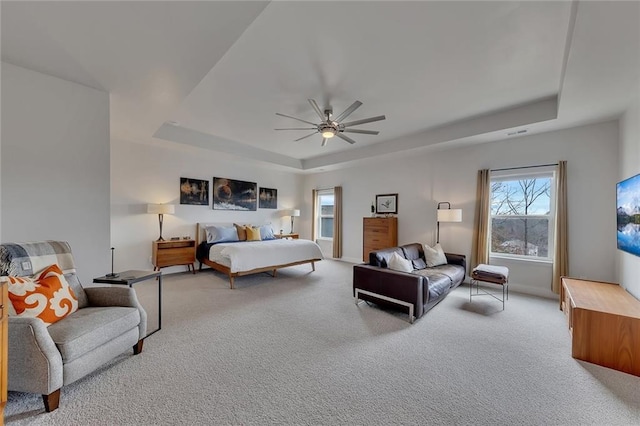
[628, 264]
[150, 173]
[425, 178]
[55, 165]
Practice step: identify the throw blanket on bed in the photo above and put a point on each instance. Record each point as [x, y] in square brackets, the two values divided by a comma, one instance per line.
[245, 256]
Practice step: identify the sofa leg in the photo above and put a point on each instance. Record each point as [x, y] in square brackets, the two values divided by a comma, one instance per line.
[137, 348]
[51, 401]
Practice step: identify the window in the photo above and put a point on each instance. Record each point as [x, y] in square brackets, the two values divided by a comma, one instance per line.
[325, 214]
[523, 215]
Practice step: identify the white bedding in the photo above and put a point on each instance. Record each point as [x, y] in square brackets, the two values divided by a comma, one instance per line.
[248, 255]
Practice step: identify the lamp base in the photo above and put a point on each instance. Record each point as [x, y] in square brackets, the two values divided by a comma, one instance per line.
[112, 275]
[160, 239]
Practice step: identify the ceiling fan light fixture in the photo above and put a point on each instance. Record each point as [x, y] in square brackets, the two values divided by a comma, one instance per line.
[328, 133]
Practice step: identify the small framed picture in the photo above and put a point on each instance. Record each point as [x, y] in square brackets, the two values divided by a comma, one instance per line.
[387, 204]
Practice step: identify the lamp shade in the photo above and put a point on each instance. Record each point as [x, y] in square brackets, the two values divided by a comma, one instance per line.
[449, 215]
[161, 208]
[290, 212]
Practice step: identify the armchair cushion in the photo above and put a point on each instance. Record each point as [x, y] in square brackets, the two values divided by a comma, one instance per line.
[89, 328]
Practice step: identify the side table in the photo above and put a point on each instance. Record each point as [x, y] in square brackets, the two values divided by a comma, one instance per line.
[131, 277]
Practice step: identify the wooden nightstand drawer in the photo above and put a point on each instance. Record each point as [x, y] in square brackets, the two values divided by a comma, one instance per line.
[172, 253]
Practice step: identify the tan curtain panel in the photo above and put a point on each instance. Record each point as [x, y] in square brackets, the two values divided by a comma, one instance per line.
[337, 222]
[561, 234]
[480, 252]
[314, 212]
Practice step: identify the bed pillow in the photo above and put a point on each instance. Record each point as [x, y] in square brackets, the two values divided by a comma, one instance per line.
[47, 295]
[434, 256]
[266, 232]
[242, 233]
[253, 234]
[221, 234]
[399, 263]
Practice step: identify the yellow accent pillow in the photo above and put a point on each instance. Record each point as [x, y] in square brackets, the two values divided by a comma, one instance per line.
[242, 233]
[253, 234]
[46, 295]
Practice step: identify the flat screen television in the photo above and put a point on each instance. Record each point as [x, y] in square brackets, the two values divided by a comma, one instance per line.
[628, 214]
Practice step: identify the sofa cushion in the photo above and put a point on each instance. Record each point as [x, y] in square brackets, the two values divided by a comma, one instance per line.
[434, 255]
[419, 263]
[439, 283]
[412, 251]
[399, 263]
[89, 328]
[381, 257]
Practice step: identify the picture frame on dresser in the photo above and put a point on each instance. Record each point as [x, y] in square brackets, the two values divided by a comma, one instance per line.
[387, 204]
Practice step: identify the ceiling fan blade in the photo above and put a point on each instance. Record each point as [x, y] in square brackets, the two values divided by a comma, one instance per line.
[324, 141]
[299, 119]
[354, 106]
[346, 138]
[364, 120]
[299, 128]
[317, 109]
[304, 137]
[366, 132]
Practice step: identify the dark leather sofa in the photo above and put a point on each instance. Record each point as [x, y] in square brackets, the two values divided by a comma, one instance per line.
[423, 288]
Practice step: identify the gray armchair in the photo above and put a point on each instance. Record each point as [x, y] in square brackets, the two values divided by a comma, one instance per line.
[42, 358]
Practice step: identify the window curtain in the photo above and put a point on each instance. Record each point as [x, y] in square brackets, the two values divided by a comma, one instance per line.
[314, 212]
[561, 234]
[480, 253]
[337, 222]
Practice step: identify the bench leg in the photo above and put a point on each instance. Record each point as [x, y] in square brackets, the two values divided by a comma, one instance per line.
[51, 401]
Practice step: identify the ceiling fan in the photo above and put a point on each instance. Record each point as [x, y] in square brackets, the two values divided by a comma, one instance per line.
[330, 127]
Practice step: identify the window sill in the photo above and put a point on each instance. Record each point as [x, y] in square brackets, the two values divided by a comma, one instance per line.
[521, 259]
[324, 239]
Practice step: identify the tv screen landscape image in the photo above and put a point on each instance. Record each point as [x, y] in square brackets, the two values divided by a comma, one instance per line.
[628, 214]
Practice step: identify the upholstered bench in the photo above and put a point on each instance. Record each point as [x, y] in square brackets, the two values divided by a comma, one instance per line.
[490, 274]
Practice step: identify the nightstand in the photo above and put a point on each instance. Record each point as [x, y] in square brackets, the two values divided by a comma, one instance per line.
[172, 253]
[293, 236]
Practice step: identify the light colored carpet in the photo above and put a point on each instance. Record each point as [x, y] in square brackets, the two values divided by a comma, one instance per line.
[297, 350]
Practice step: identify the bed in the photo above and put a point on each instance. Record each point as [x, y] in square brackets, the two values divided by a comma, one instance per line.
[250, 257]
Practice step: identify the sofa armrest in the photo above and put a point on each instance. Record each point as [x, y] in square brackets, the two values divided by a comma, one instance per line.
[457, 259]
[35, 364]
[387, 282]
[118, 296]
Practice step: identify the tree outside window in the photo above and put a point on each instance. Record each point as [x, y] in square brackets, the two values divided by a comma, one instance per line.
[325, 215]
[522, 216]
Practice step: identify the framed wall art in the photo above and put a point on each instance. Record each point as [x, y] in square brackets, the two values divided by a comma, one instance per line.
[268, 198]
[231, 194]
[387, 204]
[194, 191]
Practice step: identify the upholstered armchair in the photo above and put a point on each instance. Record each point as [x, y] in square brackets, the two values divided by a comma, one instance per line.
[45, 354]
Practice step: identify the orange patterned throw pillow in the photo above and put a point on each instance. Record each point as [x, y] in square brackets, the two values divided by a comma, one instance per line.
[46, 295]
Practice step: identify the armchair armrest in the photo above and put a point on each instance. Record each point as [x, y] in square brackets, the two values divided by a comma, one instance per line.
[118, 296]
[387, 282]
[35, 364]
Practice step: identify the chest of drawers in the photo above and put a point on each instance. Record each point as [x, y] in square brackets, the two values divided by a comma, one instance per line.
[378, 233]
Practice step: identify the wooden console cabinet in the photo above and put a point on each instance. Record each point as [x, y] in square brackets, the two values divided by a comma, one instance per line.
[604, 322]
[172, 253]
[378, 233]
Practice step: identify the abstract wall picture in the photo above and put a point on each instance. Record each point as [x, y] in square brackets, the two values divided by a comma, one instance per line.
[230, 194]
[628, 215]
[194, 191]
[268, 198]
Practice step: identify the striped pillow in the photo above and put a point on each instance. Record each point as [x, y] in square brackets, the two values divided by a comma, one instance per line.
[47, 295]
